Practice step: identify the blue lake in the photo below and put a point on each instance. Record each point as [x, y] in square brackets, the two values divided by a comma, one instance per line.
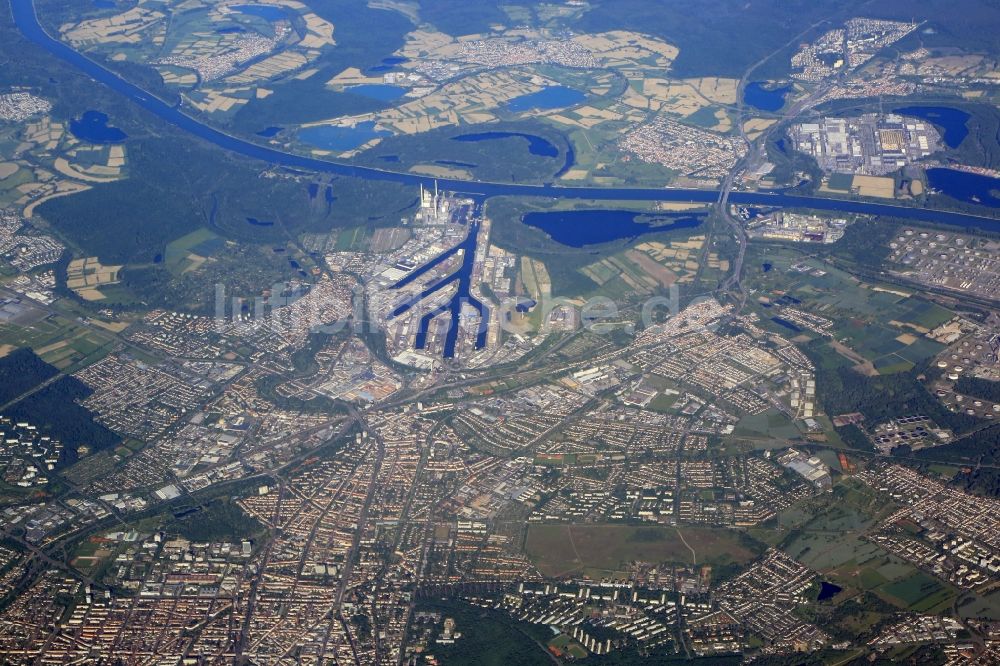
[27, 23]
[340, 138]
[269, 132]
[380, 91]
[828, 591]
[578, 228]
[387, 64]
[553, 97]
[787, 324]
[266, 12]
[92, 127]
[761, 96]
[953, 122]
[967, 187]
[104, 4]
[536, 144]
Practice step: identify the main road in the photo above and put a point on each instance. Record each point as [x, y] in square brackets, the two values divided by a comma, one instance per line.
[755, 154]
[27, 22]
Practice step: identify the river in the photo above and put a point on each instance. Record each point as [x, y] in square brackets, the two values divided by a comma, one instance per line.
[27, 23]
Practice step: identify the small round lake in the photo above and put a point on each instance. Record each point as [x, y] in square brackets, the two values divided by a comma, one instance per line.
[92, 127]
[828, 591]
[579, 228]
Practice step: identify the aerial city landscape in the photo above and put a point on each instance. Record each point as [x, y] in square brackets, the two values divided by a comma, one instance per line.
[442, 332]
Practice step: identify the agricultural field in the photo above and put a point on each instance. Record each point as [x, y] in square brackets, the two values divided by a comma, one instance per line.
[882, 330]
[86, 276]
[340, 79]
[47, 161]
[190, 251]
[918, 592]
[59, 340]
[656, 265]
[385, 239]
[591, 88]
[622, 268]
[352, 239]
[469, 101]
[832, 541]
[217, 56]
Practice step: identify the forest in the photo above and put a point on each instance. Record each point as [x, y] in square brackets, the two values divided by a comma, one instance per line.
[843, 390]
[22, 370]
[55, 410]
[984, 389]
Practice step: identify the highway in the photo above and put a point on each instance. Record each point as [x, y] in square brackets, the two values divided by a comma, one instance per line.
[755, 154]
